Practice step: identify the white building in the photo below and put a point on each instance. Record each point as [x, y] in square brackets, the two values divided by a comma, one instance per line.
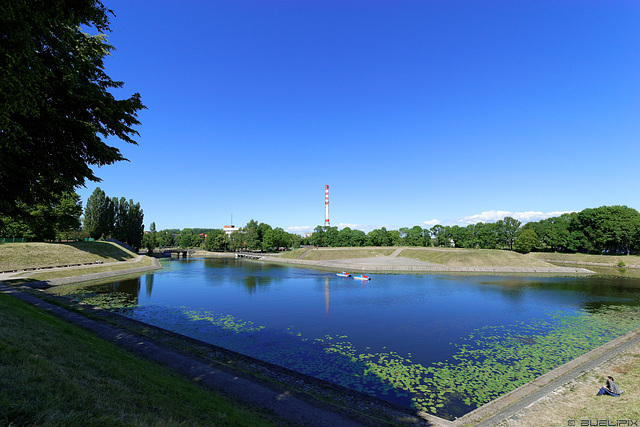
[230, 229]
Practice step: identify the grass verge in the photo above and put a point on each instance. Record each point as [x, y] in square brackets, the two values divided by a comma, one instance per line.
[332, 254]
[18, 256]
[144, 262]
[612, 260]
[53, 373]
[473, 257]
[576, 403]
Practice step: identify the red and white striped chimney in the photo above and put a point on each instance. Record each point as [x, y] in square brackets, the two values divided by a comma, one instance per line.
[326, 206]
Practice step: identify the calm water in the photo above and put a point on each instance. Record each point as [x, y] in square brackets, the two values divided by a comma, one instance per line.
[388, 336]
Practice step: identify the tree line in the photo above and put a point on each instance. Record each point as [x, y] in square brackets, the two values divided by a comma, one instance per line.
[120, 219]
[253, 237]
[607, 229]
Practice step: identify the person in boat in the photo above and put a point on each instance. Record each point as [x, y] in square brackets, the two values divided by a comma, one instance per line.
[611, 388]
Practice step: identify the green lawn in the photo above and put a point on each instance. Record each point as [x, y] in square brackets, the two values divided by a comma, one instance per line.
[16, 256]
[347, 253]
[473, 257]
[613, 260]
[55, 374]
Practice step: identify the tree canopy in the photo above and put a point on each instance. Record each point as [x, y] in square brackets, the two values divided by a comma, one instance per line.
[56, 109]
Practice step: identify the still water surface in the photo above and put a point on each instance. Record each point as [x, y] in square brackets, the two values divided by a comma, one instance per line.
[393, 336]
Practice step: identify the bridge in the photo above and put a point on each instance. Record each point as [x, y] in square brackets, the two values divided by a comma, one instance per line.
[248, 255]
[178, 253]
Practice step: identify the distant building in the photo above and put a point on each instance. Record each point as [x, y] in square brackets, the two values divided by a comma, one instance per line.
[230, 229]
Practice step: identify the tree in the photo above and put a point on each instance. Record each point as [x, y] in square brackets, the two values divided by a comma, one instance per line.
[216, 240]
[149, 240]
[276, 238]
[165, 238]
[189, 239]
[97, 215]
[508, 230]
[344, 237]
[57, 219]
[56, 106]
[252, 236]
[527, 241]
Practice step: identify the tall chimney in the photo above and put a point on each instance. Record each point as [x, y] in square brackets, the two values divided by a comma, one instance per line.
[326, 206]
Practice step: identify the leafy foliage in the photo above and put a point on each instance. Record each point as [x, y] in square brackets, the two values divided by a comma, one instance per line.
[60, 218]
[116, 218]
[56, 106]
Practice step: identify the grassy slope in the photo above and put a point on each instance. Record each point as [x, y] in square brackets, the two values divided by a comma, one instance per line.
[347, 253]
[629, 260]
[473, 257]
[53, 373]
[14, 256]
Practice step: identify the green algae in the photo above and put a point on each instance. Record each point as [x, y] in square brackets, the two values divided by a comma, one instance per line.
[488, 363]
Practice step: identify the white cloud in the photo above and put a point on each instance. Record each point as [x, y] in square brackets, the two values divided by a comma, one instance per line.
[300, 229]
[430, 223]
[345, 225]
[493, 216]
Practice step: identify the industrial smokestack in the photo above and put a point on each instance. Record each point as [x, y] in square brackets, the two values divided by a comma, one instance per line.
[326, 206]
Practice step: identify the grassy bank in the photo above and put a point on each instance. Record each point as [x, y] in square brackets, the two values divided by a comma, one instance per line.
[577, 400]
[48, 275]
[473, 257]
[328, 254]
[611, 260]
[17, 256]
[53, 373]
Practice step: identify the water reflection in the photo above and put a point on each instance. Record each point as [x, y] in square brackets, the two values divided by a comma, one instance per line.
[327, 298]
[422, 318]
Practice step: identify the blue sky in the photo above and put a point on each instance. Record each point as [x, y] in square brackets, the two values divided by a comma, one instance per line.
[413, 112]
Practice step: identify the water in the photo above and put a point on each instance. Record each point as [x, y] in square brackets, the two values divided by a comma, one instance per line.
[418, 340]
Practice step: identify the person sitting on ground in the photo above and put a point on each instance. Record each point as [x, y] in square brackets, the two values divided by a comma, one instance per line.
[611, 388]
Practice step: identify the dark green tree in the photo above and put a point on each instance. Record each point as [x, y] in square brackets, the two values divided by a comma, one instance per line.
[56, 102]
[98, 215]
[149, 239]
[526, 241]
[58, 219]
[216, 240]
[508, 230]
[165, 239]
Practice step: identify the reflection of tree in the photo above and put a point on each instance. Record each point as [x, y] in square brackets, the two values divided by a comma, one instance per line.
[251, 283]
[217, 262]
[326, 296]
[149, 281]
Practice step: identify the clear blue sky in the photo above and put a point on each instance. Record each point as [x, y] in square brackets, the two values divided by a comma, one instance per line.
[413, 112]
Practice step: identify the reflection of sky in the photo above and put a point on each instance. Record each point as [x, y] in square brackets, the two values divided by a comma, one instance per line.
[417, 314]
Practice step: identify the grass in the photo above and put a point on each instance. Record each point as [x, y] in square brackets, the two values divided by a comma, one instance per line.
[613, 260]
[53, 373]
[577, 400]
[18, 256]
[144, 262]
[473, 257]
[327, 254]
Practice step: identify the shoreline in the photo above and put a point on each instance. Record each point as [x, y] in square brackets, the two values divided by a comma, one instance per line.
[499, 410]
[407, 265]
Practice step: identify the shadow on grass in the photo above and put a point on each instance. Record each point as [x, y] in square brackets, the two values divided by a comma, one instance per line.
[102, 249]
